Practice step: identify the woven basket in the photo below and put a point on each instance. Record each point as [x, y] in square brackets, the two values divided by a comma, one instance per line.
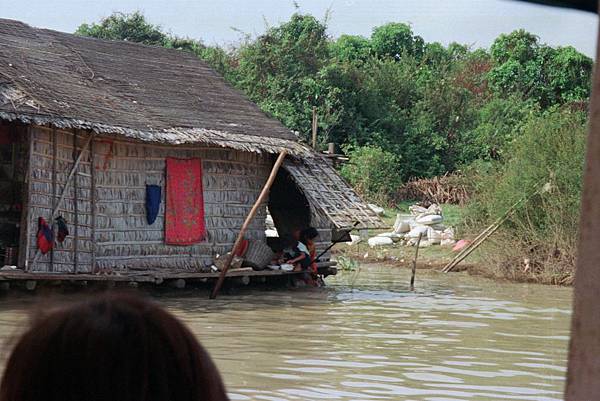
[258, 255]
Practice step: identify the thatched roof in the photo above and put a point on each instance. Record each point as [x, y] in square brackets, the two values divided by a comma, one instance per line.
[116, 87]
[328, 192]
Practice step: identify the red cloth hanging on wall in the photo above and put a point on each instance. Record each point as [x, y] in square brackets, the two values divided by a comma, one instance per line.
[184, 208]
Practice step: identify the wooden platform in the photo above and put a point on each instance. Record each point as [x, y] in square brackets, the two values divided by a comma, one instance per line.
[152, 276]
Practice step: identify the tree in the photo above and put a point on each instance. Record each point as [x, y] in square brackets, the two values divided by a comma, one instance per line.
[547, 75]
[131, 27]
[351, 48]
[280, 70]
[435, 108]
[396, 40]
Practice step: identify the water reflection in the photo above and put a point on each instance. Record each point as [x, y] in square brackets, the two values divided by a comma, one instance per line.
[455, 338]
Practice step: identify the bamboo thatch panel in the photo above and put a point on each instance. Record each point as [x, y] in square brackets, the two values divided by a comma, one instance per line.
[147, 165]
[104, 238]
[110, 194]
[123, 238]
[230, 197]
[234, 183]
[60, 267]
[84, 244]
[231, 169]
[151, 249]
[46, 201]
[84, 179]
[47, 183]
[64, 153]
[153, 262]
[122, 222]
[120, 179]
[117, 209]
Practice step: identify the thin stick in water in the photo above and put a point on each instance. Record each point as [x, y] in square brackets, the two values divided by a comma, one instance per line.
[414, 265]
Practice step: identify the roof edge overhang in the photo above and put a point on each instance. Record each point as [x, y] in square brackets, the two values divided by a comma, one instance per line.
[330, 194]
[171, 136]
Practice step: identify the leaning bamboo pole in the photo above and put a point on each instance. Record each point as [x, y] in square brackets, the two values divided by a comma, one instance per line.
[491, 229]
[240, 237]
[64, 192]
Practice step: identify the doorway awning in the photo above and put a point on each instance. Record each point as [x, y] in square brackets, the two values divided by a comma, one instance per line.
[329, 193]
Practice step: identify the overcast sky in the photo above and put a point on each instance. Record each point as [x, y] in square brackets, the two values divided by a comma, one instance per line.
[475, 22]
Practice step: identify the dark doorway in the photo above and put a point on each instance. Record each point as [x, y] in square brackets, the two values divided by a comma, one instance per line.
[288, 206]
[13, 161]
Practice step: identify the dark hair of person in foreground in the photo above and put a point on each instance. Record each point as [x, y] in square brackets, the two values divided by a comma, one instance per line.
[110, 348]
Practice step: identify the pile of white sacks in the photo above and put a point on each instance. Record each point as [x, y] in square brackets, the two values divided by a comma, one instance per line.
[424, 222]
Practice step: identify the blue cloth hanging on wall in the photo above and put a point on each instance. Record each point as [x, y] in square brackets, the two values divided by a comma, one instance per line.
[152, 202]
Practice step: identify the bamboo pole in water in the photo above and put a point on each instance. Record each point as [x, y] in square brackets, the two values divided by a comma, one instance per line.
[240, 237]
[414, 264]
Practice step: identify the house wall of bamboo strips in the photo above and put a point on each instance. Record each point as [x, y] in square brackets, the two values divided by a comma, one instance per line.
[104, 203]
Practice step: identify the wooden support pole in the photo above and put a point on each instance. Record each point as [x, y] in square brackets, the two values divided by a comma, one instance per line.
[73, 170]
[54, 184]
[62, 196]
[93, 204]
[26, 213]
[240, 237]
[414, 264]
[584, 348]
[75, 204]
[314, 127]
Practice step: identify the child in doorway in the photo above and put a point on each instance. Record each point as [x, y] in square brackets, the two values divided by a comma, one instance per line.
[307, 238]
[296, 253]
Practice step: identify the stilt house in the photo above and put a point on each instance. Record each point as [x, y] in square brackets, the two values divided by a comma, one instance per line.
[89, 128]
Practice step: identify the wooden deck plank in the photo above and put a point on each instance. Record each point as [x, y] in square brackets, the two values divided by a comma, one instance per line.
[150, 276]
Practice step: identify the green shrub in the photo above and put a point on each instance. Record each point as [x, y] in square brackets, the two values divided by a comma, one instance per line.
[373, 172]
[549, 149]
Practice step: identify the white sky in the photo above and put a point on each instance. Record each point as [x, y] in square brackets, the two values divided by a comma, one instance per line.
[475, 22]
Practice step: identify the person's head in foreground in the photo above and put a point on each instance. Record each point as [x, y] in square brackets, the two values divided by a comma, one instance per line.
[110, 347]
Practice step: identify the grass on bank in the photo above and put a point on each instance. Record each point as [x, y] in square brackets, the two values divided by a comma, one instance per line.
[495, 259]
[430, 257]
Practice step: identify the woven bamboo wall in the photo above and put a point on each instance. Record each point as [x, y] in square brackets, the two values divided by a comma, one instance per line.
[232, 181]
[52, 158]
[110, 223]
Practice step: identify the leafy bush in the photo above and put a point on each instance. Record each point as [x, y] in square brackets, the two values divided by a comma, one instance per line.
[373, 172]
[549, 149]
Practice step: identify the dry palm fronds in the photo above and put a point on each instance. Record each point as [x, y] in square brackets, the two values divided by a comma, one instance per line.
[448, 188]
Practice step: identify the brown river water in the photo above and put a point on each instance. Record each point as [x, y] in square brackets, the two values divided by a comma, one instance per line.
[367, 337]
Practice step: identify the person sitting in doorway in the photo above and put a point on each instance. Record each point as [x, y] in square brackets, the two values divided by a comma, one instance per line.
[295, 253]
[308, 237]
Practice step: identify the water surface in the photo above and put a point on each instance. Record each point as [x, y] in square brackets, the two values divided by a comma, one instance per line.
[366, 337]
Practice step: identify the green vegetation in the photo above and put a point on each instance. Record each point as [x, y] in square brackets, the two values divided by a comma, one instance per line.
[373, 172]
[549, 151]
[509, 117]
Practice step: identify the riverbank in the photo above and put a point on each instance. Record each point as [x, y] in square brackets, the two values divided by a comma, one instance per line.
[495, 259]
